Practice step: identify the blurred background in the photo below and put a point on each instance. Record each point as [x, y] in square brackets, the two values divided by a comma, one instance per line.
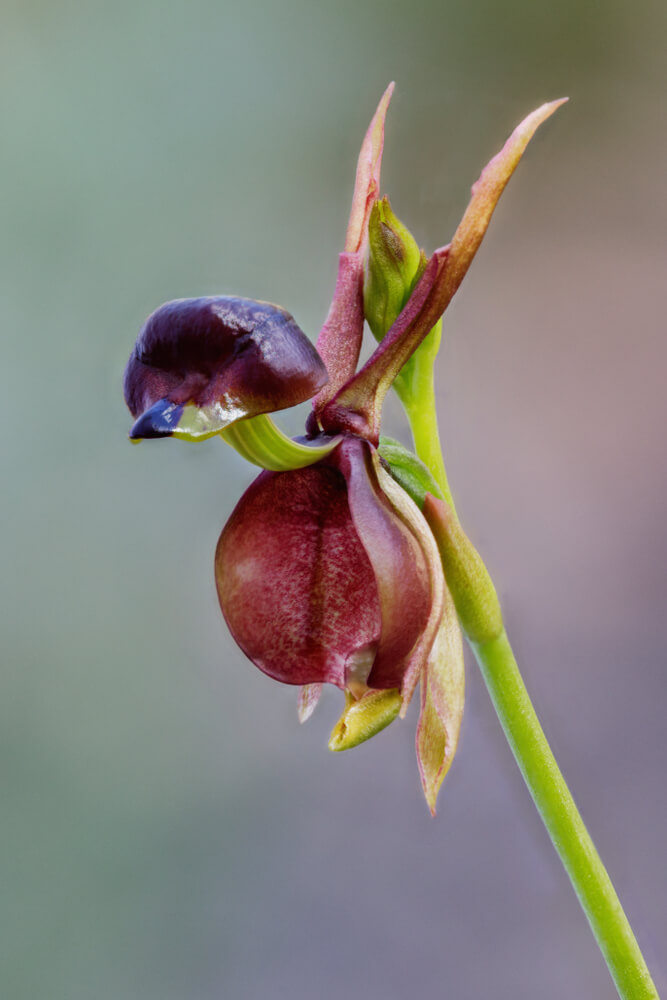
[168, 830]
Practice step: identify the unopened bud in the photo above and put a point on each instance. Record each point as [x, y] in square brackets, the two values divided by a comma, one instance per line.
[395, 263]
[364, 718]
[470, 585]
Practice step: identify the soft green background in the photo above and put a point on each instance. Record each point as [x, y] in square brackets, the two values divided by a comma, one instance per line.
[168, 831]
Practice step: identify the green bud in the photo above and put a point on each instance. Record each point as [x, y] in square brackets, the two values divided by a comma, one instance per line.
[364, 718]
[470, 585]
[395, 263]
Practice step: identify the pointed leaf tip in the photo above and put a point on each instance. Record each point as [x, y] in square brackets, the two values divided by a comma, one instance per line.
[367, 183]
[486, 192]
[309, 695]
[442, 696]
[357, 404]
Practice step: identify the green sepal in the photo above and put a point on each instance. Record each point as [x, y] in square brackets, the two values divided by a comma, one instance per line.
[408, 471]
[261, 442]
[364, 718]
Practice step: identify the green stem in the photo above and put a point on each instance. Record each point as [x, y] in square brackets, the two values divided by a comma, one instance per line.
[560, 816]
[420, 408]
[538, 766]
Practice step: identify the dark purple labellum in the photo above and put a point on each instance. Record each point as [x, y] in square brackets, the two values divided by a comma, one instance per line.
[240, 356]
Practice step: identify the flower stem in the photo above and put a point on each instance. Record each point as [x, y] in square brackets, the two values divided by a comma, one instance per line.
[420, 408]
[560, 816]
[541, 773]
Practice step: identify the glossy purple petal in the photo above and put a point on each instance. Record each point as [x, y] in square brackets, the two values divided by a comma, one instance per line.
[245, 357]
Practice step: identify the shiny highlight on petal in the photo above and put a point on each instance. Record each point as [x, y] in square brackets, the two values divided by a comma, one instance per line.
[216, 360]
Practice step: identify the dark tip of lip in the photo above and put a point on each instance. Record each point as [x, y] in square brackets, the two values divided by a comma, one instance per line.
[158, 421]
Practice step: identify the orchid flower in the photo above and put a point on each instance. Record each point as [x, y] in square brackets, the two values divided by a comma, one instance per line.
[327, 571]
[345, 563]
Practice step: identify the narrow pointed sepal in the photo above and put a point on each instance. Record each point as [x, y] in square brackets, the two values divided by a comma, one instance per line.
[442, 696]
[357, 405]
[486, 193]
[367, 184]
[339, 341]
[309, 695]
[364, 718]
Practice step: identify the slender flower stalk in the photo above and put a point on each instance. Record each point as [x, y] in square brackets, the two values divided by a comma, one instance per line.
[479, 614]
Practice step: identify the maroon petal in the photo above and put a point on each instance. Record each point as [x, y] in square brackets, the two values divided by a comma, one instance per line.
[244, 356]
[294, 582]
[403, 573]
[407, 511]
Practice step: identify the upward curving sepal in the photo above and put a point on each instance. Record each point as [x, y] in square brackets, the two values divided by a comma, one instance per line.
[367, 184]
[340, 338]
[358, 404]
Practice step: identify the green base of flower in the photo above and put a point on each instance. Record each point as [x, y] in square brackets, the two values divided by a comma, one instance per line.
[261, 442]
